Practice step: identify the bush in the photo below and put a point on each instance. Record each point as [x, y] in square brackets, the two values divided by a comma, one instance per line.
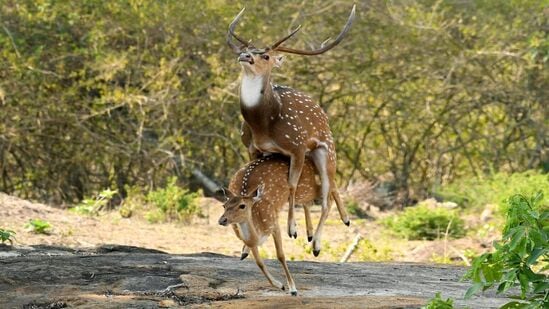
[422, 222]
[38, 226]
[478, 192]
[438, 303]
[92, 206]
[521, 257]
[172, 203]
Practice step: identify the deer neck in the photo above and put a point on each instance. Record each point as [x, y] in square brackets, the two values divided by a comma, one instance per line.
[258, 102]
[249, 231]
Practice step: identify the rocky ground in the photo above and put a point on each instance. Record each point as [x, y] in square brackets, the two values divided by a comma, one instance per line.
[130, 277]
[114, 262]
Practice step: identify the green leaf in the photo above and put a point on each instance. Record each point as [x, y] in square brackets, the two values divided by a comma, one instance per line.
[517, 237]
[473, 290]
[536, 253]
[541, 287]
[524, 284]
[513, 304]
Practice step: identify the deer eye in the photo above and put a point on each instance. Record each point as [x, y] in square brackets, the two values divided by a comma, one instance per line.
[242, 206]
[266, 57]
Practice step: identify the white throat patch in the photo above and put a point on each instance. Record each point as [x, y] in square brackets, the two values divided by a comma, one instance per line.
[250, 90]
[244, 231]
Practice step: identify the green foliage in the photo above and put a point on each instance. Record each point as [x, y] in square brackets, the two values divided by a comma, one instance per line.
[478, 192]
[365, 251]
[368, 251]
[38, 226]
[92, 206]
[99, 94]
[172, 203]
[423, 222]
[438, 303]
[7, 235]
[354, 209]
[521, 257]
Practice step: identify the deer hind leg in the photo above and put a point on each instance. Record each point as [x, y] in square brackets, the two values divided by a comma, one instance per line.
[261, 266]
[296, 166]
[340, 206]
[320, 158]
[308, 222]
[282, 259]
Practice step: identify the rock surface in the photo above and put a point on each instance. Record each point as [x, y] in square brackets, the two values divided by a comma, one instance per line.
[122, 276]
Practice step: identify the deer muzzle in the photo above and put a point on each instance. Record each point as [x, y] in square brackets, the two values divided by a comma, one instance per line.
[223, 221]
[246, 57]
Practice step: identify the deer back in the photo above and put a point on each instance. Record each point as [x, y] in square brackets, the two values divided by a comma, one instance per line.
[272, 171]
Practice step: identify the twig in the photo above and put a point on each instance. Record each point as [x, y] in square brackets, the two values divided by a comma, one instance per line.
[12, 41]
[351, 249]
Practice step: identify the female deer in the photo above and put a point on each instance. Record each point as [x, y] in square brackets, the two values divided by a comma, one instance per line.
[257, 193]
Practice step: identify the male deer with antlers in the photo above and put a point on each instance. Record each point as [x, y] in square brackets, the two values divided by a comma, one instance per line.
[282, 120]
[257, 193]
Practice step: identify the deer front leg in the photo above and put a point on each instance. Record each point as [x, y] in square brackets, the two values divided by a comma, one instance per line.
[282, 259]
[246, 136]
[308, 222]
[259, 263]
[296, 166]
[245, 252]
[245, 249]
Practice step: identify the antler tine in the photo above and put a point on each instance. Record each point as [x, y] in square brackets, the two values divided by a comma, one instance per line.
[275, 45]
[326, 48]
[231, 33]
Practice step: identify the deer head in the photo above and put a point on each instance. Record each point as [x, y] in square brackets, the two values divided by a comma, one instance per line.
[260, 61]
[238, 207]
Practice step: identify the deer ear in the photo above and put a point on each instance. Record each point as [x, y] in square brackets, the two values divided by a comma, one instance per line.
[278, 60]
[258, 193]
[223, 194]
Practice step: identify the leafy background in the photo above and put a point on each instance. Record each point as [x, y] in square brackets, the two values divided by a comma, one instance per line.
[98, 94]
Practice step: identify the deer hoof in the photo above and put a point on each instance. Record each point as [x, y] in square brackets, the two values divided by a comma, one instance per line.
[243, 256]
[348, 223]
[295, 235]
[316, 252]
[294, 293]
[310, 238]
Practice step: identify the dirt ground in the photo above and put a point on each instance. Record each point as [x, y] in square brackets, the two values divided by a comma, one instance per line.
[205, 235]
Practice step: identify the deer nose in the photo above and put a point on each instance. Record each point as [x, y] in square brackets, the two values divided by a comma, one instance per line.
[223, 221]
[246, 57]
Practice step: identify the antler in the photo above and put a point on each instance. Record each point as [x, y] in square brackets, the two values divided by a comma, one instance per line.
[322, 48]
[275, 45]
[231, 34]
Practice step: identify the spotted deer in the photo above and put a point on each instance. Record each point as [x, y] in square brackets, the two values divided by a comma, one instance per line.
[256, 195]
[283, 120]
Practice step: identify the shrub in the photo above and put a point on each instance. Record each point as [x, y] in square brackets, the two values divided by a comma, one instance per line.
[92, 206]
[38, 226]
[7, 235]
[478, 192]
[422, 222]
[172, 203]
[521, 257]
